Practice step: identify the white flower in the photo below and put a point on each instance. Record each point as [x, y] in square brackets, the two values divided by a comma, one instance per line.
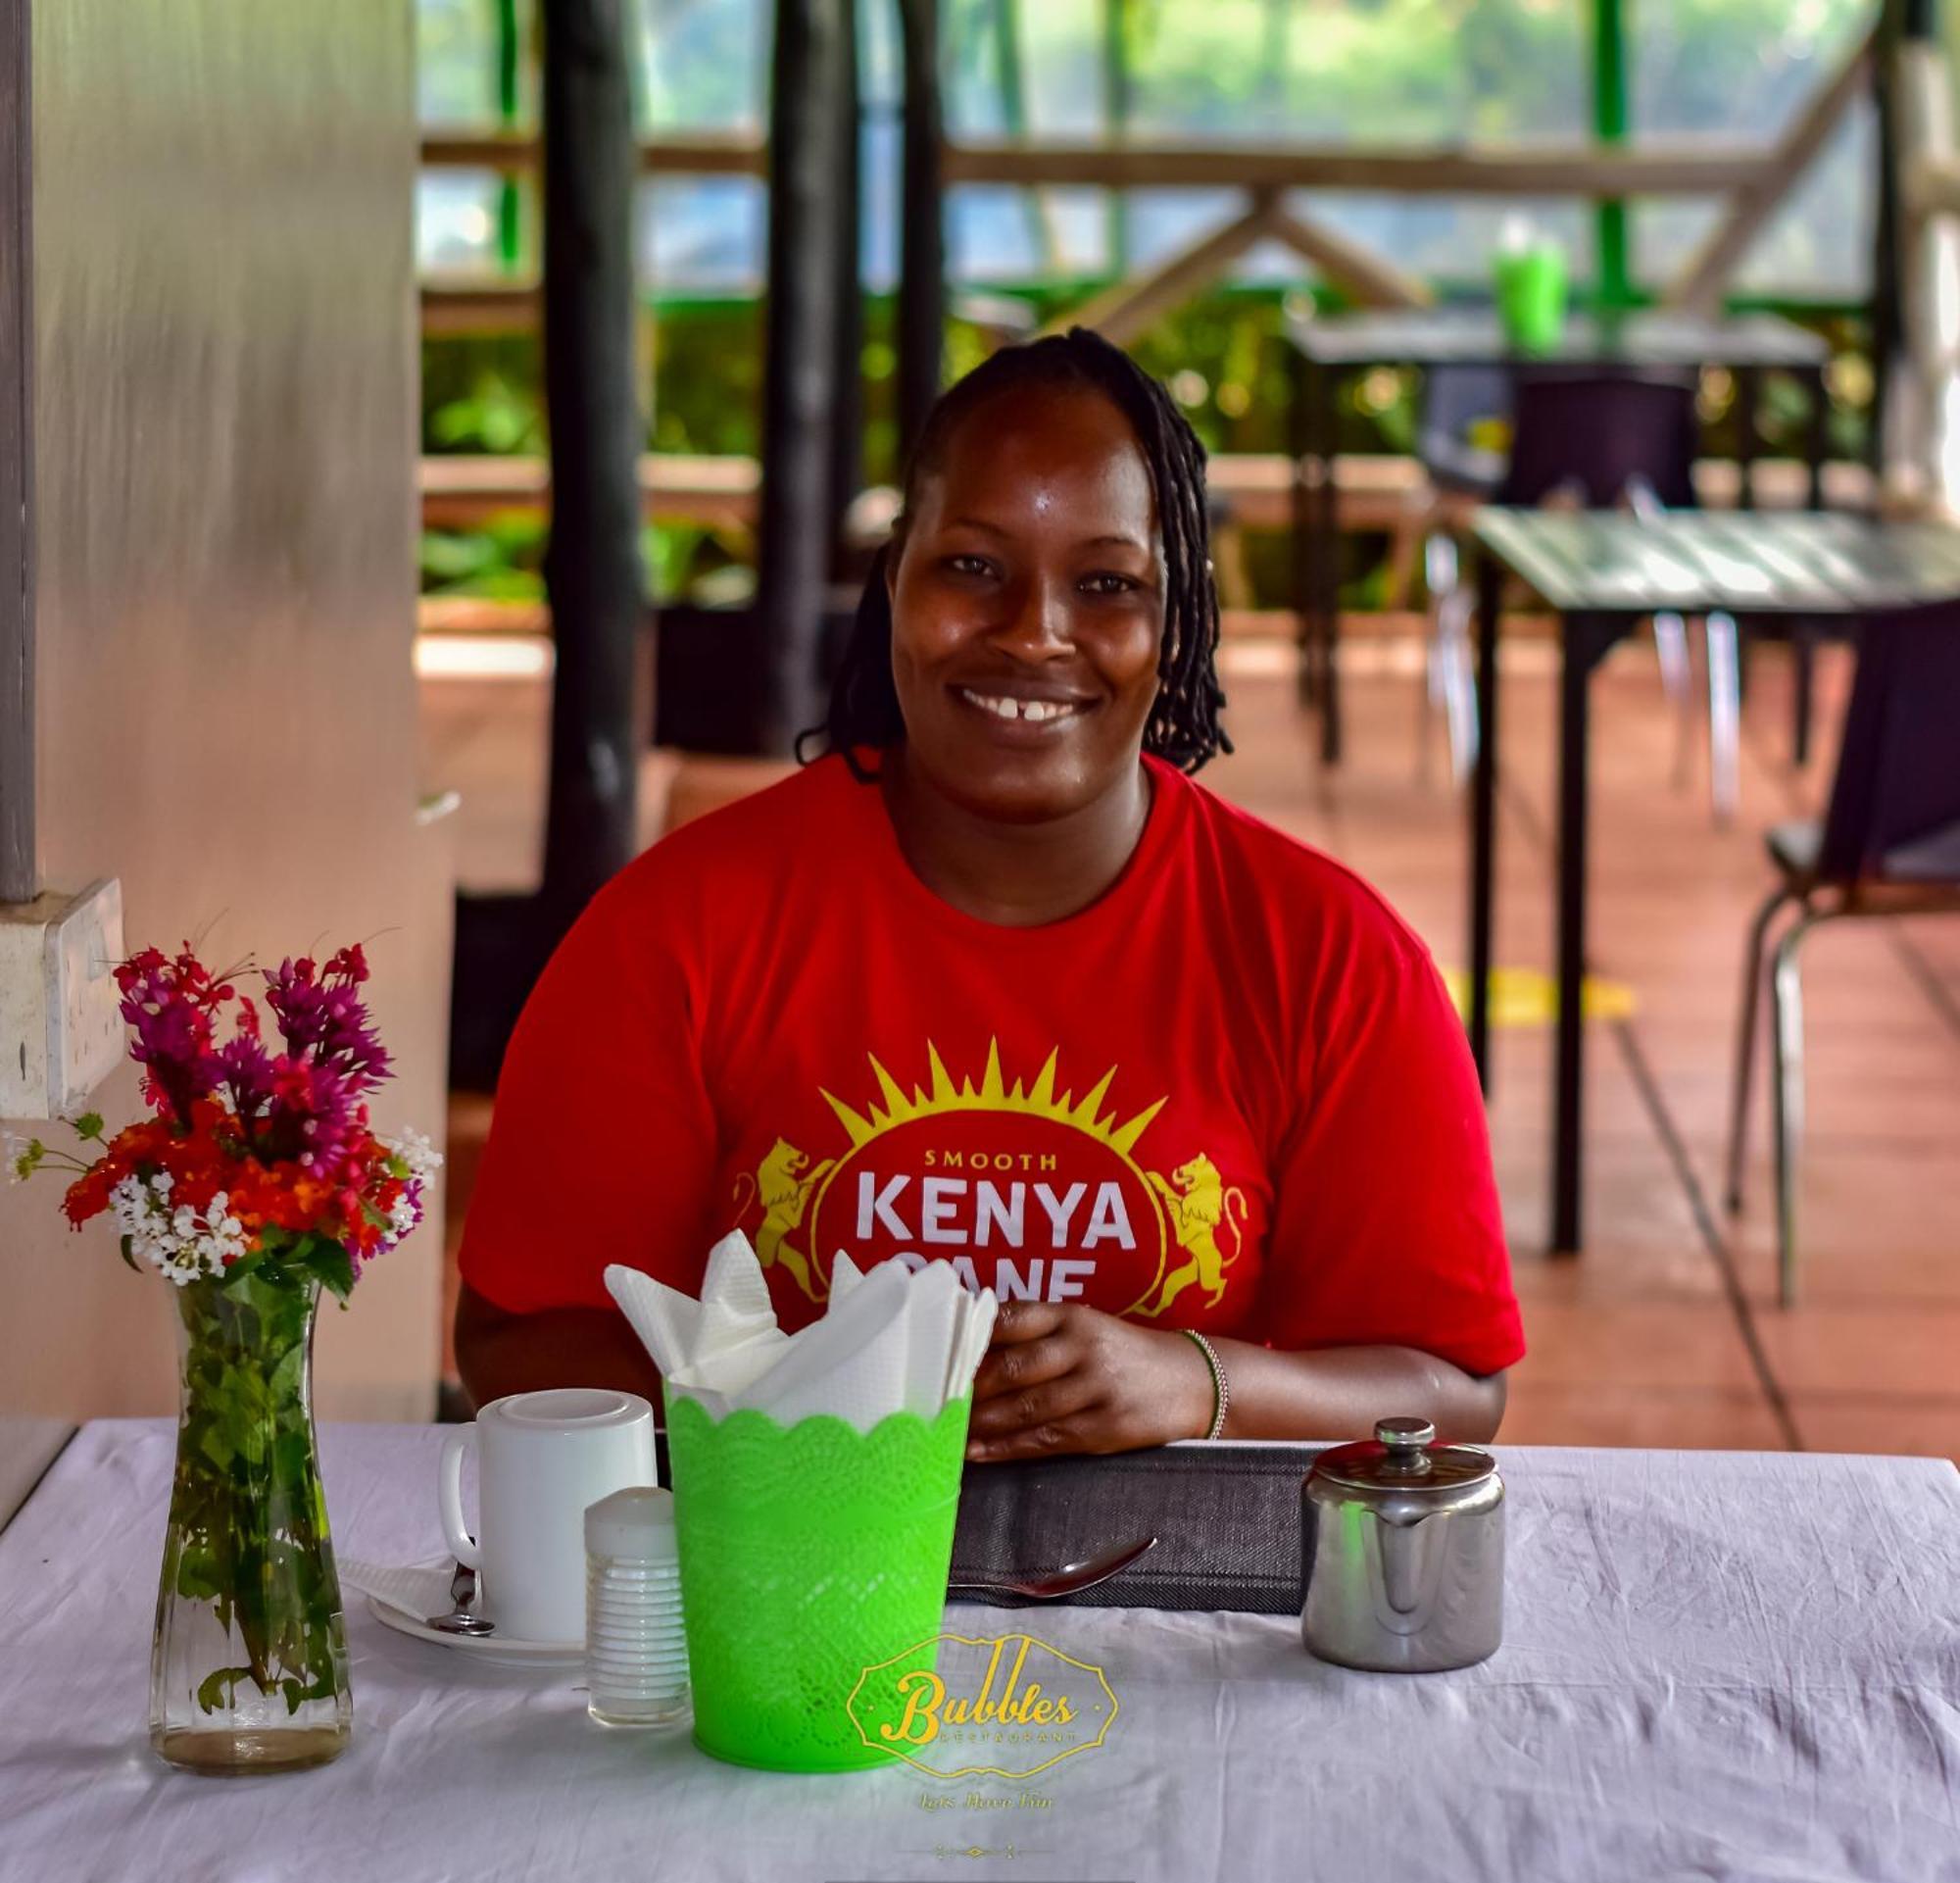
[418, 1153]
[182, 1243]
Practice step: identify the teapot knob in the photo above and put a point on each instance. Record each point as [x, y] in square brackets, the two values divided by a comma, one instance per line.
[1405, 1437]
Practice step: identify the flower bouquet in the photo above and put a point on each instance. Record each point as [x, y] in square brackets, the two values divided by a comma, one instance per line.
[257, 1183]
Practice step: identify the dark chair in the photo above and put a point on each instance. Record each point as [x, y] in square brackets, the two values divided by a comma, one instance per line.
[1888, 845]
[1595, 436]
[1464, 470]
[1602, 442]
[1455, 403]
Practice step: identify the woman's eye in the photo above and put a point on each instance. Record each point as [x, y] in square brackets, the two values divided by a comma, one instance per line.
[1108, 582]
[967, 565]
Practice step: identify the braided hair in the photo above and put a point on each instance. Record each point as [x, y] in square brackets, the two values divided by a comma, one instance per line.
[1184, 726]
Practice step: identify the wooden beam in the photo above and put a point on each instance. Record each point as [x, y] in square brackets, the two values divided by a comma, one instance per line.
[1366, 276]
[1703, 278]
[1659, 168]
[487, 308]
[698, 156]
[463, 491]
[1129, 308]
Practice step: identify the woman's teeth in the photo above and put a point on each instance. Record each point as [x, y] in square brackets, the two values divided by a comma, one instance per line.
[1003, 708]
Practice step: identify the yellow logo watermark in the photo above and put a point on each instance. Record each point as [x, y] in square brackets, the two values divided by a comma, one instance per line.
[958, 1705]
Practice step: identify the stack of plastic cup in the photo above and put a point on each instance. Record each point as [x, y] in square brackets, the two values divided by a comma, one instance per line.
[635, 1641]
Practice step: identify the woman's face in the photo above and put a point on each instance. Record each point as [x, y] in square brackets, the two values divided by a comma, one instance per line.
[1027, 606]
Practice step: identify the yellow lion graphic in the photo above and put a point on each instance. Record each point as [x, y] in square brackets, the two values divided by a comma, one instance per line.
[1196, 1201]
[785, 1184]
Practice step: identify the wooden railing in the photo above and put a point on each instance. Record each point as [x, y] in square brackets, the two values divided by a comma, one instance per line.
[1753, 178]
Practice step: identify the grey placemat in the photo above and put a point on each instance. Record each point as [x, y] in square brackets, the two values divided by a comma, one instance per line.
[1226, 1519]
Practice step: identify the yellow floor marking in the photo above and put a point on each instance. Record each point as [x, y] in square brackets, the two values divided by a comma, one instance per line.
[1526, 997]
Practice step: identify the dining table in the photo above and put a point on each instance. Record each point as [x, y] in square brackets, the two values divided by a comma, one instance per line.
[1601, 572]
[1715, 1664]
[1327, 350]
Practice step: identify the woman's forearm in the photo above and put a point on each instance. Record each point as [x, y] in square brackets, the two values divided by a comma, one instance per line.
[499, 1353]
[1338, 1392]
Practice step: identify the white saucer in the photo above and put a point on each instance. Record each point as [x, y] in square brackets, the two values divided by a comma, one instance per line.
[401, 1595]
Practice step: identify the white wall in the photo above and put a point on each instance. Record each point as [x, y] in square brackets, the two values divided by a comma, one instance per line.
[225, 528]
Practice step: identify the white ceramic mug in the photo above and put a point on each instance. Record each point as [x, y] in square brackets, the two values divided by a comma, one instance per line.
[541, 1458]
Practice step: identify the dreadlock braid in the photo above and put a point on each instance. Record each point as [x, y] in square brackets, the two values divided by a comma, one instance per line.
[1183, 725]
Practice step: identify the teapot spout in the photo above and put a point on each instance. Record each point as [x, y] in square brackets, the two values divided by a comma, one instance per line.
[1404, 1549]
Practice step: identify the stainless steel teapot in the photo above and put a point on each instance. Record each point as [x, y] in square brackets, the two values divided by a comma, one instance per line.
[1403, 1552]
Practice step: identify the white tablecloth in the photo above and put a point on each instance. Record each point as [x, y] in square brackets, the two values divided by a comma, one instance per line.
[1716, 1665]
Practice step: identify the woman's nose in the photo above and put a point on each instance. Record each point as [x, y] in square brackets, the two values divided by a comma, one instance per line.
[1036, 626]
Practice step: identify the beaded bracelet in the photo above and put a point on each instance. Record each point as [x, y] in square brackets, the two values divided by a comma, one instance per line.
[1221, 1393]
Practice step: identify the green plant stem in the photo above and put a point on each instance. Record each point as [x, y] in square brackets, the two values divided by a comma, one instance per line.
[248, 1520]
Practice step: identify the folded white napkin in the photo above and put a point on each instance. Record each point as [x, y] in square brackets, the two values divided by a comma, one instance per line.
[892, 1340]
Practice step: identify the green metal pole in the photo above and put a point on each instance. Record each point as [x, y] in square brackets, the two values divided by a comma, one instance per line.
[1117, 115]
[1014, 118]
[1609, 124]
[509, 206]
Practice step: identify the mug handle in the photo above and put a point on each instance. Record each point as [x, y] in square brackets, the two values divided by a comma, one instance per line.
[449, 1496]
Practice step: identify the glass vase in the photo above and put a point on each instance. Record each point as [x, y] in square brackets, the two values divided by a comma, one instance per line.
[248, 1671]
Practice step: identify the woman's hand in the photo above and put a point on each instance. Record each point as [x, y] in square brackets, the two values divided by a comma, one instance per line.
[1062, 1378]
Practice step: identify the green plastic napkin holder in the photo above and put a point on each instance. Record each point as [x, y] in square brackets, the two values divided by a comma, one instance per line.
[809, 1554]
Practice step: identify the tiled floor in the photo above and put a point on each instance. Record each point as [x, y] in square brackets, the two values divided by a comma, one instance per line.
[1666, 1330]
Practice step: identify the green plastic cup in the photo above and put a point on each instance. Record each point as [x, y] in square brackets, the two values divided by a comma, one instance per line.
[809, 1554]
[1530, 296]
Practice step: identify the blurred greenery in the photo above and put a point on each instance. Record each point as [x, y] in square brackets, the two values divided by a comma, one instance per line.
[1362, 73]
[1221, 355]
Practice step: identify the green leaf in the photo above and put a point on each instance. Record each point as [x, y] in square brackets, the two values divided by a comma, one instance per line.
[88, 1125]
[129, 1255]
[244, 1267]
[328, 1263]
[212, 1690]
[197, 1574]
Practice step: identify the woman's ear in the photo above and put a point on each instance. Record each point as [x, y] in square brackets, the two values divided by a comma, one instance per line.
[888, 559]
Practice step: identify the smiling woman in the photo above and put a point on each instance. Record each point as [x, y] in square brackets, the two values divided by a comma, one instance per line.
[994, 981]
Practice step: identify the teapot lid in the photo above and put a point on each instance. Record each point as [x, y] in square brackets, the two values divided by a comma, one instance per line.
[1403, 1457]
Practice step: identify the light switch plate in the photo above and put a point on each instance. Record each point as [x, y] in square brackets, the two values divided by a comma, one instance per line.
[61, 1030]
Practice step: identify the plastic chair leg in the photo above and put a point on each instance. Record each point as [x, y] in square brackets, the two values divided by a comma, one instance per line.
[1724, 713]
[1677, 681]
[1459, 683]
[1745, 1043]
[1786, 1009]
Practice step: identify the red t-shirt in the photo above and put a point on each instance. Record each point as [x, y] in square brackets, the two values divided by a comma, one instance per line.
[1231, 1094]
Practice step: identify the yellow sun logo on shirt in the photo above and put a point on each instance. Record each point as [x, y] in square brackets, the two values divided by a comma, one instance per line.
[1023, 1187]
[993, 1094]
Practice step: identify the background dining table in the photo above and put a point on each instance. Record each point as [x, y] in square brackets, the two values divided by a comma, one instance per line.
[1325, 350]
[1603, 572]
[1717, 1665]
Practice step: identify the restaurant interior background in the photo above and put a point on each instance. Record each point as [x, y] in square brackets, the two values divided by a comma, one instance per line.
[284, 278]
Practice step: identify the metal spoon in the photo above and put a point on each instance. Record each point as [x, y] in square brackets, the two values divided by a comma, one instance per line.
[459, 1620]
[1070, 1579]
